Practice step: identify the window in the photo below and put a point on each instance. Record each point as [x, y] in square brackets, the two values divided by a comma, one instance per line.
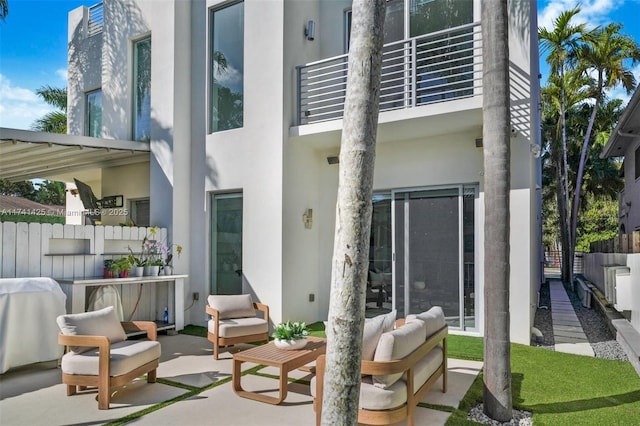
[637, 163]
[142, 90]
[139, 210]
[425, 16]
[227, 67]
[93, 114]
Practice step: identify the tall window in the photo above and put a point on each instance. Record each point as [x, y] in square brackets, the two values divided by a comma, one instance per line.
[93, 114]
[142, 89]
[227, 67]
[443, 61]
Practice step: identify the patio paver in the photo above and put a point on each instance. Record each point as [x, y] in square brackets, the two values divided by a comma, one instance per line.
[35, 396]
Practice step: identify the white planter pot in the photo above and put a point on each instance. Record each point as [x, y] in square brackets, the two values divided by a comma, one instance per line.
[290, 344]
[138, 271]
[151, 271]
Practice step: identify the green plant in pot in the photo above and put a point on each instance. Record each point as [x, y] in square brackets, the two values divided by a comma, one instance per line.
[107, 272]
[290, 335]
[120, 267]
[137, 264]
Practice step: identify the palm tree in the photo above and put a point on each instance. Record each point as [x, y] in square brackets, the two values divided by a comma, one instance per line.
[496, 140]
[4, 9]
[54, 121]
[353, 216]
[560, 44]
[604, 53]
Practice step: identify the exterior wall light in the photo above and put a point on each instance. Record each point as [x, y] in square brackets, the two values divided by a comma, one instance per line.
[310, 30]
[307, 218]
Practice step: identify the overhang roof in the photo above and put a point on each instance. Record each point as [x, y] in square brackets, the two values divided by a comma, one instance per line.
[28, 155]
[627, 130]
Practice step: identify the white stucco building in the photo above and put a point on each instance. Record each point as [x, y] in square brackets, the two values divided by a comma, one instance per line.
[243, 138]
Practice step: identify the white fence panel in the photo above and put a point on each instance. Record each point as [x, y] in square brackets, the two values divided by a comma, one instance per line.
[64, 251]
[9, 250]
[35, 248]
[22, 249]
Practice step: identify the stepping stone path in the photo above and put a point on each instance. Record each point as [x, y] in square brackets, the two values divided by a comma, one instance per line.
[567, 330]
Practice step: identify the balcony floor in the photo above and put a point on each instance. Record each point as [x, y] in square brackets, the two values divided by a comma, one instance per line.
[426, 121]
[189, 375]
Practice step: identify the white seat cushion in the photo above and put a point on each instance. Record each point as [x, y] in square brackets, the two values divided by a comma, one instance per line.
[375, 398]
[239, 327]
[433, 319]
[125, 357]
[103, 322]
[232, 306]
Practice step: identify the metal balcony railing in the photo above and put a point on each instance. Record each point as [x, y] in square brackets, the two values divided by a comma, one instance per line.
[437, 67]
[96, 21]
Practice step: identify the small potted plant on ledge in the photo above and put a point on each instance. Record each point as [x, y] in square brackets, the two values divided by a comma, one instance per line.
[120, 267]
[137, 263]
[290, 335]
[107, 272]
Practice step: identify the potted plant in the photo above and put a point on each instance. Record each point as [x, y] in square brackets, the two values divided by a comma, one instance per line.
[124, 265]
[106, 272]
[290, 335]
[137, 263]
[119, 267]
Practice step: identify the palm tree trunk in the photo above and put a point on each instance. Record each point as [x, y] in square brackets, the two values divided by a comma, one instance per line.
[496, 140]
[567, 247]
[583, 160]
[353, 216]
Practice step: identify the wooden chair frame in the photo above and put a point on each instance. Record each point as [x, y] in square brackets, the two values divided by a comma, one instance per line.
[219, 341]
[406, 364]
[104, 381]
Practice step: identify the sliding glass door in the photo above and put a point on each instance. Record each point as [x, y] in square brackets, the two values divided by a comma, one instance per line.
[432, 256]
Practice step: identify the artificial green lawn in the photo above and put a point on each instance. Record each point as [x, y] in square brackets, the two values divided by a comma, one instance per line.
[560, 389]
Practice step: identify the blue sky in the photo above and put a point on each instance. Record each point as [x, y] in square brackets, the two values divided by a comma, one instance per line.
[33, 47]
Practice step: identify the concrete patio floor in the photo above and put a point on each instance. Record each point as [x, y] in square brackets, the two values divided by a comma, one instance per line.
[201, 391]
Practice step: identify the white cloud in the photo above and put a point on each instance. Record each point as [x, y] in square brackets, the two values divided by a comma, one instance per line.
[229, 77]
[62, 73]
[19, 107]
[592, 12]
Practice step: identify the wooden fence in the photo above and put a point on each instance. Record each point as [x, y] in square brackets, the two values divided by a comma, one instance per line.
[64, 251]
[623, 243]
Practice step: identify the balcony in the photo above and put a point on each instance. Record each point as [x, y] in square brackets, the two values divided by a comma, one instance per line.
[437, 67]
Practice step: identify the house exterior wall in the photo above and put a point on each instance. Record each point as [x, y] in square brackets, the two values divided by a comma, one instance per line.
[282, 171]
[629, 213]
[250, 159]
[117, 181]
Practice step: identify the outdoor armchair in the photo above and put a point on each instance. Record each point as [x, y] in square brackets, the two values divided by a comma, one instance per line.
[98, 353]
[234, 320]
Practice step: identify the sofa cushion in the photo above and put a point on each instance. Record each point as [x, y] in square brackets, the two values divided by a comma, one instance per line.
[397, 344]
[375, 398]
[103, 322]
[389, 321]
[124, 357]
[433, 319]
[372, 331]
[232, 306]
[239, 327]
[426, 367]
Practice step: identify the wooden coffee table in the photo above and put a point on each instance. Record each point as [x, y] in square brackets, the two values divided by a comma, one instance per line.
[285, 360]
